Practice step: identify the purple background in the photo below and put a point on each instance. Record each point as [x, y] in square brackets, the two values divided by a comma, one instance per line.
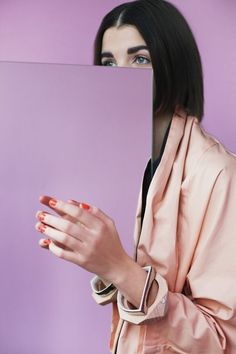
[62, 31]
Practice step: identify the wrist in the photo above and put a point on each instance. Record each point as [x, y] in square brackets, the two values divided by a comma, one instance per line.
[130, 281]
[127, 270]
[141, 304]
[116, 273]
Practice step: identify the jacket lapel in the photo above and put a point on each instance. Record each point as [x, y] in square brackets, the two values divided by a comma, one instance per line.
[156, 241]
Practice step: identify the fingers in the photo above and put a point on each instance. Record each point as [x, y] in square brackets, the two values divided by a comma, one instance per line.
[44, 243]
[44, 199]
[72, 209]
[79, 211]
[96, 212]
[60, 237]
[75, 230]
[65, 254]
[59, 250]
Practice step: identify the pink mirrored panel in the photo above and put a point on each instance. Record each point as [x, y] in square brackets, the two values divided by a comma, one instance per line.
[67, 131]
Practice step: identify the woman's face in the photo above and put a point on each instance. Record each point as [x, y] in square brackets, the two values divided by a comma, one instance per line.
[125, 47]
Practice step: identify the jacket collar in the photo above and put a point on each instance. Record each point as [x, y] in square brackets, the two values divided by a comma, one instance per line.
[175, 135]
[161, 175]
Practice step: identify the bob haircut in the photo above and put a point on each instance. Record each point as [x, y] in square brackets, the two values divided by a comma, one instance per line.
[176, 62]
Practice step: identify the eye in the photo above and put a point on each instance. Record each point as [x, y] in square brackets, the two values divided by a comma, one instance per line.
[140, 59]
[108, 63]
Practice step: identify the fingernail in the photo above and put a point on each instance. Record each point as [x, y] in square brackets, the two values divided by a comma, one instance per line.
[41, 217]
[52, 202]
[47, 242]
[84, 206]
[42, 228]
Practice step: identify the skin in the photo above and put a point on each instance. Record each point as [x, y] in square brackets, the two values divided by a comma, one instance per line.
[88, 237]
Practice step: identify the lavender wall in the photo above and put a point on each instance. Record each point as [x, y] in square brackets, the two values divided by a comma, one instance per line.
[62, 31]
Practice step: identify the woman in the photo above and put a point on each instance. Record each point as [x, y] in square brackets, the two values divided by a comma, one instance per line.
[178, 294]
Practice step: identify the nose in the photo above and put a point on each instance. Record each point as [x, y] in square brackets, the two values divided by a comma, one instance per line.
[124, 64]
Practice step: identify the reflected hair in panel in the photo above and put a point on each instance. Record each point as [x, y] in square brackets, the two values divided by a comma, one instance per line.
[176, 61]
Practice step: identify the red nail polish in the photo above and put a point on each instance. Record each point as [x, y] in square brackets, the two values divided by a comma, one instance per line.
[52, 202]
[42, 228]
[41, 216]
[47, 242]
[84, 206]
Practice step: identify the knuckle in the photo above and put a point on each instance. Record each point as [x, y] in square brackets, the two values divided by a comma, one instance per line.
[84, 262]
[68, 228]
[64, 238]
[78, 212]
[111, 222]
[100, 229]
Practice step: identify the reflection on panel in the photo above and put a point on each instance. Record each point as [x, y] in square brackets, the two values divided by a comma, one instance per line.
[76, 132]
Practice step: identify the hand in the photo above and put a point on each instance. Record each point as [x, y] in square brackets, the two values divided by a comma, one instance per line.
[83, 235]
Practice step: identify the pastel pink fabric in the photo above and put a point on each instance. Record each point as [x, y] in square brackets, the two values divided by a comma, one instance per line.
[189, 237]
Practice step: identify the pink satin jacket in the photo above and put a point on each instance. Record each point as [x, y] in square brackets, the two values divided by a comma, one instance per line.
[189, 237]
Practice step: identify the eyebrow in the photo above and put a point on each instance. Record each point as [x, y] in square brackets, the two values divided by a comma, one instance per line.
[131, 50]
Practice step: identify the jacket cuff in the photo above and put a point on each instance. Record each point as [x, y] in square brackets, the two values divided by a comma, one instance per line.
[103, 294]
[156, 311]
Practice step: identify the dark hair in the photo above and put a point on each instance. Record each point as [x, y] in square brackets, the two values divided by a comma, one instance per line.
[176, 61]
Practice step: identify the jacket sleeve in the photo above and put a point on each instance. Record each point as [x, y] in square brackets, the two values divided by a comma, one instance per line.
[206, 318]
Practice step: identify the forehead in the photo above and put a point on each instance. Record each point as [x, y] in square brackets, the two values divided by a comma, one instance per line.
[123, 37]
